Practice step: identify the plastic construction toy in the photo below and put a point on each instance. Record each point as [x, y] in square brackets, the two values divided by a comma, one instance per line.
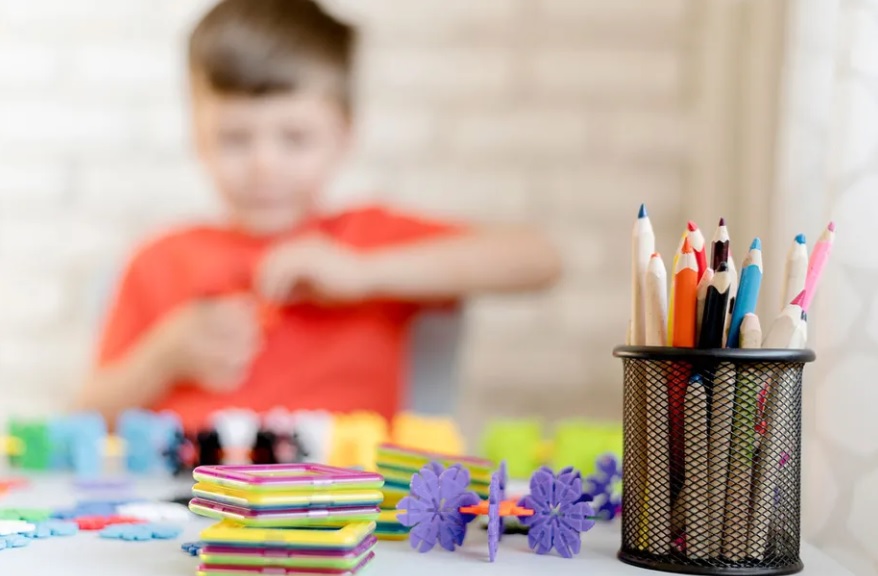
[228, 546]
[286, 495]
[147, 436]
[14, 541]
[603, 488]
[398, 464]
[141, 532]
[440, 508]
[192, 548]
[53, 528]
[12, 527]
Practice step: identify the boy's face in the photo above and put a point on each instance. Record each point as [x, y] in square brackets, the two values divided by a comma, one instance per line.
[270, 157]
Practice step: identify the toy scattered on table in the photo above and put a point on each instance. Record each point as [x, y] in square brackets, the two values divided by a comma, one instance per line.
[427, 434]
[440, 507]
[11, 527]
[577, 443]
[192, 548]
[433, 508]
[25, 514]
[286, 495]
[603, 488]
[398, 464]
[97, 523]
[560, 516]
[152, 443]
[141, 532]
[156, 512]
[53, 528]
[14, 541]
[228, 546]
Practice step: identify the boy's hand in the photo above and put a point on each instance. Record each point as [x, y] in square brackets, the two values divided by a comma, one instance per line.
[312, 269]
[213, 342]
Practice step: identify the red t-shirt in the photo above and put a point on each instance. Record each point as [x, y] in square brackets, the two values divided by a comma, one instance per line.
[314, 358]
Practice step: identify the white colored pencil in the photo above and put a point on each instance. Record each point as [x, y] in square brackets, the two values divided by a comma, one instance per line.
[796, 270]
[642, 249]
[656, 302]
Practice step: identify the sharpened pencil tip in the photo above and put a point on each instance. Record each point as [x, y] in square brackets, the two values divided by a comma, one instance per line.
[800, 299]
[642, 213]
[801, 239]
[692, 226]
[722, 221]
[655, 255]
[831, 226]
[756, 245]
[687, 247]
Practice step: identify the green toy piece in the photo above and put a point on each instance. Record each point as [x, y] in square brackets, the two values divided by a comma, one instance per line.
[37, 445]
[518, 442]
[580, 444]
[25, 514]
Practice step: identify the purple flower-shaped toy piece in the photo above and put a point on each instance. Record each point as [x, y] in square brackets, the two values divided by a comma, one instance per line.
[496, 495]
[560, 517]
[432, 509]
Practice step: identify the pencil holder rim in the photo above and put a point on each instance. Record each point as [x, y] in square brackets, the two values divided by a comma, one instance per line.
[657, 353]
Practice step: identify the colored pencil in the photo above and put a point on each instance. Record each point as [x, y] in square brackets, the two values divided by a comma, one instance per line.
[699, 247]
[701, 300]
[685, 297]
[656, 302]
[720, 245]
[748, 292]
[643, 246]
[715, 308]
[656, 523]
[721, 418]
[790, 327]
[697, 449]
[790, 331]
[796, 270]
[819, 258]
[733, 296]
[676, 260]
[742, 450]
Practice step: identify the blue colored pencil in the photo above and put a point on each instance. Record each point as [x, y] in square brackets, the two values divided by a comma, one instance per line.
[748, 292]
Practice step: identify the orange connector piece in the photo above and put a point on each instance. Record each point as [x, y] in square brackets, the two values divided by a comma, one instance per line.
[507, 508]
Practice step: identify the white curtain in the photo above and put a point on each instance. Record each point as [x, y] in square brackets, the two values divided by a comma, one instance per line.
[830, 171]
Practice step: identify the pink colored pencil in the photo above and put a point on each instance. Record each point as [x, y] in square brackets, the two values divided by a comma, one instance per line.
[819, 258]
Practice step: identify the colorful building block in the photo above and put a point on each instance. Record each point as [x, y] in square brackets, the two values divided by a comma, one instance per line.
[34, 439]
[518, 442]
[427, 434]
[147, 436]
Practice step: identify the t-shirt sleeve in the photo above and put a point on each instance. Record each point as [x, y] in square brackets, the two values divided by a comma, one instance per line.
[128, 316]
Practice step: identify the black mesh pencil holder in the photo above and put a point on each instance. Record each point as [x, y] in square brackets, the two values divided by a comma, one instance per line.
[712, 460]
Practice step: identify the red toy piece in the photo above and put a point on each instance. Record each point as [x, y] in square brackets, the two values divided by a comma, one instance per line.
[95, 523]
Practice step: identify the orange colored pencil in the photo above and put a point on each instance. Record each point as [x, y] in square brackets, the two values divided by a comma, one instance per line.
[685, 297]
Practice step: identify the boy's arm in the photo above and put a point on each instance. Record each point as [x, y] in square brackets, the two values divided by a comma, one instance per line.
[138, 378]
[481, 260]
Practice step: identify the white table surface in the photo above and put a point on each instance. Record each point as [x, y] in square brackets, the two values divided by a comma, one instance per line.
[87, 555]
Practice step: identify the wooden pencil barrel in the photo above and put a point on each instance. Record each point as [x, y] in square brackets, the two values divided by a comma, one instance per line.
[712, 460]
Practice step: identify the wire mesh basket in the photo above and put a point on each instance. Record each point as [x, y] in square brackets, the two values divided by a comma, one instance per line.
[712, 460]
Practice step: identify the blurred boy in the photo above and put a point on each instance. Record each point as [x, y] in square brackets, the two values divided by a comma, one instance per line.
[271, 95]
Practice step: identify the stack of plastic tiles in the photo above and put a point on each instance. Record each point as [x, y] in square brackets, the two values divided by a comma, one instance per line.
[286, 519]
[232, 550]
[398, 464]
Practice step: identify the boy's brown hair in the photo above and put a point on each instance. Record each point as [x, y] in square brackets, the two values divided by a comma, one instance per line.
[265, 47]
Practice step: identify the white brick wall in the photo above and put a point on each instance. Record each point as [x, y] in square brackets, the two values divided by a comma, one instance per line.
[566, 113]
